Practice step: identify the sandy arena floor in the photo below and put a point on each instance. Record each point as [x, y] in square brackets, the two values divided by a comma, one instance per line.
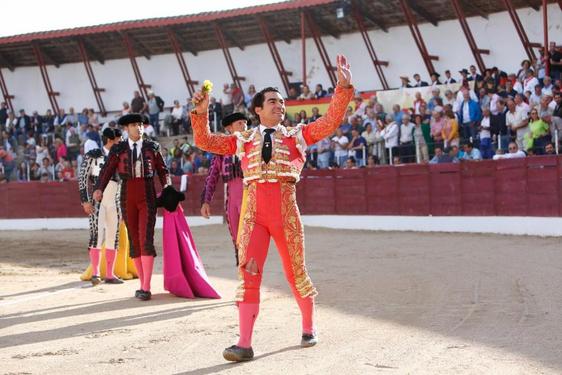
[389, 303]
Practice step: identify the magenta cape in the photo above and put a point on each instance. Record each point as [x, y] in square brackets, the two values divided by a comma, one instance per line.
[184, 274]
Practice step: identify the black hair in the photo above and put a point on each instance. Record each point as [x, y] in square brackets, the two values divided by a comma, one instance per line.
[259, 98]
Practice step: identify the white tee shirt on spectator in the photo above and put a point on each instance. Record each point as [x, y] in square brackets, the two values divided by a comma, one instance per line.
[341, 142]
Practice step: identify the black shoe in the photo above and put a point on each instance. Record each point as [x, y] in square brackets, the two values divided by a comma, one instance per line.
[309, 339]
[144, 295]
[114, 280]
[137, 293]
[238, 354]
[95, 280]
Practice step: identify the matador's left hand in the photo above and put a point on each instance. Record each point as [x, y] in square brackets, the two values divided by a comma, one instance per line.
[344, 73]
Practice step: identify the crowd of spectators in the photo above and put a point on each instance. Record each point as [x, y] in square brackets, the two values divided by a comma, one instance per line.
[493, 115]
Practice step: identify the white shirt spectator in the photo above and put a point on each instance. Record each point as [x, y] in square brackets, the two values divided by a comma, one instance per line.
[406, 134]
[524, 107]
[515, 120]
[511, 155]
[529, 84]
[390, 135]
[471, 93]
[341, 143]
[494, 104]
[535, 100]
[485, 124]
[177, 112]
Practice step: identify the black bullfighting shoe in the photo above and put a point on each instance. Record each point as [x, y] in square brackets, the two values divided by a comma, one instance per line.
[137, 293]
[309, 339]
[95, 280]
[238, 354]
[145, 295]
[114, 280]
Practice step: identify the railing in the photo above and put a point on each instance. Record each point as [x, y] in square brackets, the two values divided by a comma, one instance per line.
[514, 187]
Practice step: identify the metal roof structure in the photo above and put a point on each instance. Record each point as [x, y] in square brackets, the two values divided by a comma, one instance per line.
[241, 28]
[238, 28]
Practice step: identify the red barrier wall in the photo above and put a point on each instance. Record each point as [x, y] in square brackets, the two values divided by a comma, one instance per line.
[517, 187]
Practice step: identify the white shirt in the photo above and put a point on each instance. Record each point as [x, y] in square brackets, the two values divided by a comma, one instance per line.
[177, 112]
[485, 132]
[494, 104]
[515, 119]
[138, 165]
[523, 107]
[390, 135]
[511, 155]
[406, 132]
[263, 127]
[529, 84]
[341, 143]
[466, 112]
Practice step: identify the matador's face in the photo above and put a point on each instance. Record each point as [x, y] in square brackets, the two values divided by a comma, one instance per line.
[273, 109]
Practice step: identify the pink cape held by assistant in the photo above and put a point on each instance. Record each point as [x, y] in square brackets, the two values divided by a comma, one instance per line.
[184, 273]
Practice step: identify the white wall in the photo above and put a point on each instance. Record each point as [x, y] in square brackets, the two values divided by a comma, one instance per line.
[255, 63]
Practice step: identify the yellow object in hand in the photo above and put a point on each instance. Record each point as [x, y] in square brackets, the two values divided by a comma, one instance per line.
[207, 86]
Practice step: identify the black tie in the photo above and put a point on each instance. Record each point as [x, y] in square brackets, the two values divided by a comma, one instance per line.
[266, 148]
[135, 155]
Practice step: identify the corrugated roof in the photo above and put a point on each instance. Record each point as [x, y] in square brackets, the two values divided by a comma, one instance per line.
[163, 21]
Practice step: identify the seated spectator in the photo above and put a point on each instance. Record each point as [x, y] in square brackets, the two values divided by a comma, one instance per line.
[293, 94]
[67, 173]
[549, 149]
[46, 169]
[350, 163]
[319, 92]
[448, 78]
[441, 157]
[418, 81]
[315, 115]
[435, 79]
[175, 169]
[405, 82]
[306, 93]
[471, 153]
[34, 174]
[371, 161]
[513, 153]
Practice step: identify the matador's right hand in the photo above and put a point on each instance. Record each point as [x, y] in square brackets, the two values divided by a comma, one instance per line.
[98, 195]
[201, 101]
